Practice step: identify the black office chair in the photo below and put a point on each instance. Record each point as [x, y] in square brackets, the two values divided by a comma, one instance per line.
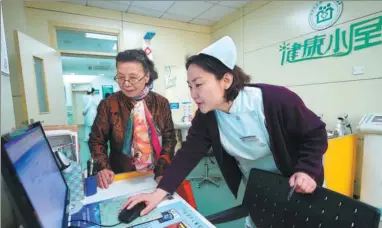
[206, 178]
[265, 200]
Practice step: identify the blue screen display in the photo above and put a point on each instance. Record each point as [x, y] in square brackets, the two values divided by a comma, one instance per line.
[40, 176]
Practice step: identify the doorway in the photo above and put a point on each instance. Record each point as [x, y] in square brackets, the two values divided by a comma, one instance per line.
[78, 106]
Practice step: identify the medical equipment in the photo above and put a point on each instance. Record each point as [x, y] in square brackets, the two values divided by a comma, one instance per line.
[371, 184]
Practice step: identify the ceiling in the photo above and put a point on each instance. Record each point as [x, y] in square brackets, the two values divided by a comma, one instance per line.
[194, 12]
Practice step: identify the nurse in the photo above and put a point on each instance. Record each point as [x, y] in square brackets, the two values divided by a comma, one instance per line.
[90, 112]
[247, 125]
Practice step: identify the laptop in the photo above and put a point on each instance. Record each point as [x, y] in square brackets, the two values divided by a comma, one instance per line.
[36, 186]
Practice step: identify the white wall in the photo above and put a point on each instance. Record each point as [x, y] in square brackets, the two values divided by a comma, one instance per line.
[14, 19]
[172, 43]
[326, 85]
[8, 121]
[7, 110]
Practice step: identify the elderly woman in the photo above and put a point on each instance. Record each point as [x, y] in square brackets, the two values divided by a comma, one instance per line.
[137, 123]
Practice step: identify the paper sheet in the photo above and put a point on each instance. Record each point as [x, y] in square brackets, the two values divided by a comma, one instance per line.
[175, 214]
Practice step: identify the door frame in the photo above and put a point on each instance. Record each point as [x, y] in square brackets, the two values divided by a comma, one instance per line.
[26, 58]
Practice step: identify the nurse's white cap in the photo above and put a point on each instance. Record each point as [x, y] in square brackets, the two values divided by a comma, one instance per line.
[224, 50]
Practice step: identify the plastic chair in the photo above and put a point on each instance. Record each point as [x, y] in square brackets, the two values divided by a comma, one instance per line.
[265, 200]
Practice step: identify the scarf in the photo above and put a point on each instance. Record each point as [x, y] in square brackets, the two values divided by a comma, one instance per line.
[141, 140]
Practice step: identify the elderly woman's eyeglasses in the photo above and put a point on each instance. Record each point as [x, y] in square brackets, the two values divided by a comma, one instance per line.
[132, 81]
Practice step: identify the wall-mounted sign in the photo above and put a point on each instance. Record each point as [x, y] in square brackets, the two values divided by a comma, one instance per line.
[174, 105]
[147, 44]
[359, 35]
[107, 90]
[4, 54]
[324, 14]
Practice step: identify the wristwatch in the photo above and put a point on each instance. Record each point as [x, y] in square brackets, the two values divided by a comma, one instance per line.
[169, 196]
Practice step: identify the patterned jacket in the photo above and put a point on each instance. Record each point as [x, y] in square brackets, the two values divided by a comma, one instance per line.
[109, 130]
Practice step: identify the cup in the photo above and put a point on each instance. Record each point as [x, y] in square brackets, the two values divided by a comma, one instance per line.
[90, 185]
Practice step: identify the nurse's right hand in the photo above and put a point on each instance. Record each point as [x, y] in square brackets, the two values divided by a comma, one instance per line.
[105, 178]
[150, 199]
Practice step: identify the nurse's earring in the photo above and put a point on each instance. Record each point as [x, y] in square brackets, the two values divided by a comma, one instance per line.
[227, 80]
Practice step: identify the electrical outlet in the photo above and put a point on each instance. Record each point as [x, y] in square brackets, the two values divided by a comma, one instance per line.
[358, 70]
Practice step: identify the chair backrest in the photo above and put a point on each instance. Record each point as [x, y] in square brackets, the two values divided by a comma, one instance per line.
[266, 200]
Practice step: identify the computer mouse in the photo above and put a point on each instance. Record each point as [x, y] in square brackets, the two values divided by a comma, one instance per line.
[127, 216]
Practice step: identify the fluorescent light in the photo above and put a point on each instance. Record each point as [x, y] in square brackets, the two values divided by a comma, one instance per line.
[78, 79]
[100, 36]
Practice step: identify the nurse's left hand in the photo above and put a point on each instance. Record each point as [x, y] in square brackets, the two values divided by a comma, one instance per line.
[304, 183]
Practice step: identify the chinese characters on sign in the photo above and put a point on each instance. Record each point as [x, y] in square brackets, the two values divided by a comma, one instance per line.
[360, 35]
[324, 14]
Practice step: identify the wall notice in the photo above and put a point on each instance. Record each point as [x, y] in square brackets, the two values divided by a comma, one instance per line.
[4, 54]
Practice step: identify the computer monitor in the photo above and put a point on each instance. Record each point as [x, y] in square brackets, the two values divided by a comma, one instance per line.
[32, 175]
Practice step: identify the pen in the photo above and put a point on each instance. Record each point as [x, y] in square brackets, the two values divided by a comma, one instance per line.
[291, 191]
[91, 167]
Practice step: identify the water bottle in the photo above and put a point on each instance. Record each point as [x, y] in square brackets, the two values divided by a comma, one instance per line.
[340, 127]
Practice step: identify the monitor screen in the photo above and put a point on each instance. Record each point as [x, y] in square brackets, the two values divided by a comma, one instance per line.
[39, 175]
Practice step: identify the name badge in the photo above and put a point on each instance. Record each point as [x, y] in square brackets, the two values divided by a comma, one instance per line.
[249, 139]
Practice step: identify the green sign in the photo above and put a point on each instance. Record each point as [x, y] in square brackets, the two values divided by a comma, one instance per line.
[107, 90]
[324, 14]
[359, 35]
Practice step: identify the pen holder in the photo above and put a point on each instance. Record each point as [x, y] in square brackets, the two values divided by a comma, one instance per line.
[90, 185]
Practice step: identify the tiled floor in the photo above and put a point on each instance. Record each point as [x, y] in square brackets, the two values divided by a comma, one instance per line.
[211, 199]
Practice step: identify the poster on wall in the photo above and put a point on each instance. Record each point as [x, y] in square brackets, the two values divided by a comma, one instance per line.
[169, 76]
[4, 54]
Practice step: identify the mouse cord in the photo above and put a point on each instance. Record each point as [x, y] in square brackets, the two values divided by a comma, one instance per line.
[93, 223]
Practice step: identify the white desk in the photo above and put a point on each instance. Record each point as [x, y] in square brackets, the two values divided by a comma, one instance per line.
[130, 187]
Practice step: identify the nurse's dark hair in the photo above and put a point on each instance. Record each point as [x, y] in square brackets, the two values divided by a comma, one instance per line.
[139, 55]
[217, 68]
[91, 91]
